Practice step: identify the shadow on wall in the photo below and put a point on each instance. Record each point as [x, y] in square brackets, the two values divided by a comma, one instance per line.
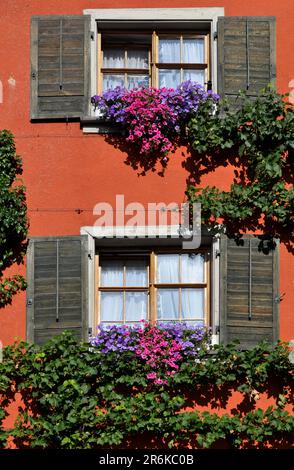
[198, 165]
[138, 162]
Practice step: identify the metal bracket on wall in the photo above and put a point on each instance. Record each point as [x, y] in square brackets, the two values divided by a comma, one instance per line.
[279, 297]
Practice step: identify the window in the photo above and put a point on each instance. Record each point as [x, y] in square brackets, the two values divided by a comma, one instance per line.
[123, 289]
[156, 286]
[133, 46]
[159, 58]
[181, 58]
[125, 60]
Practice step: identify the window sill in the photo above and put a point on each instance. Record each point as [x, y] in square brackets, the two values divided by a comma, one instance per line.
[98, 125]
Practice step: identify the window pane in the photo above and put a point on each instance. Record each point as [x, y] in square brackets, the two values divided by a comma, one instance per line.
[112, 81]
[195, 76]
[169, 78]
[136, 81]
[136, 306]
[111, 306]
[167, 304]
[193, 51]
[112, 273]
[168, 268]
[169, 51]
[113, 58]
[192, 303]
[136, 273]
[137, 59]
[192, 268]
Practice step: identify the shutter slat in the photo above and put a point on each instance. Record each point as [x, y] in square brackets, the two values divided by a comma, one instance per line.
[246, 50]
[57, 287]
[60, 104]
[43, 335]
[60, 66]
[235, 292]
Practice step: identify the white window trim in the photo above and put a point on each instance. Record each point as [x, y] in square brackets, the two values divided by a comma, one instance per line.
[95, 233]
[209, 14]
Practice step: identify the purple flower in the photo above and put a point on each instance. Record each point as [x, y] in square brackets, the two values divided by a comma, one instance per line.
[124, 338]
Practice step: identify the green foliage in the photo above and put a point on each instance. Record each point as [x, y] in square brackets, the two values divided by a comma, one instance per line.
[257, 139]
[13, 217]
[74, 397]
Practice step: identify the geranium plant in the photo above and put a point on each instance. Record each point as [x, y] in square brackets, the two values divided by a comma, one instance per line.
[154, 118]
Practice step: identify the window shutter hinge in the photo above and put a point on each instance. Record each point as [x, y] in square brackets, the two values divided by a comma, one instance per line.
[209, 85]
[217, 253]
[215, 35]
[34, 75]
[29, 302]
[92, 35]
[278, 298]
[90, 331]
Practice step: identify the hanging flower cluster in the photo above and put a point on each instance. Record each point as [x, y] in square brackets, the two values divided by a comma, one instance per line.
[161, 348]
[160, 351]
[154, 118]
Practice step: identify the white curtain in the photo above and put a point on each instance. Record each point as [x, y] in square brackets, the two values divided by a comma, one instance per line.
[112, 81]
[168, 304]
[136, 306]
[136, 81]
[192, 268]
[193, 51]
[111, 306]
[169, 78]
[167, 268]
[113, 58]
[193, 304]
[112, 273]
[137, 59]
[136, 303]
[194, 75]
[169, 51]
[136, 273]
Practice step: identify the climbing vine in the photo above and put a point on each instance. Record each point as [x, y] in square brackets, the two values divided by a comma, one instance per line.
[13, 218]
[257, 140]
[76, 396]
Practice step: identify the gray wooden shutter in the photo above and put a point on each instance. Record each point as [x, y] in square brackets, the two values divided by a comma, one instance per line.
[246, 54]
[60, 66]
[57, 287]
[249, 291]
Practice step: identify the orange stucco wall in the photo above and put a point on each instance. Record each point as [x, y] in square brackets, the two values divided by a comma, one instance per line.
[66, 170]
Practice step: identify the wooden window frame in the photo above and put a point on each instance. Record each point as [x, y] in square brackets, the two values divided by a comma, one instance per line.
[124, 289]
[153, 286]
[183, 65]
[153, 60]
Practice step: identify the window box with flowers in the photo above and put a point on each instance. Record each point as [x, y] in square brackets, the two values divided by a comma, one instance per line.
[154, 119]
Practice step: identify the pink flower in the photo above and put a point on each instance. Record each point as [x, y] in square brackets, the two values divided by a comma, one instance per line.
[160, 381]
[151, 376]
